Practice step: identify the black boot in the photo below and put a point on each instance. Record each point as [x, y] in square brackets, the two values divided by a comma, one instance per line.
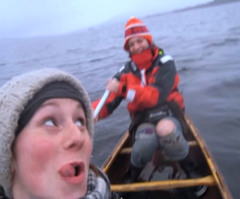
[132, 174]
[188, 167]
[191, 171]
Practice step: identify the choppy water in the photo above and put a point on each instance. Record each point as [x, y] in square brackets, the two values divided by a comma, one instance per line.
[205, 44]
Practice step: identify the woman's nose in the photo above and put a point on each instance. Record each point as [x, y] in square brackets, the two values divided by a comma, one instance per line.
[135, 46]
[74, 137]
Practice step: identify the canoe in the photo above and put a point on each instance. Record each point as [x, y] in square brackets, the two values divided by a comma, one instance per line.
[166, 179]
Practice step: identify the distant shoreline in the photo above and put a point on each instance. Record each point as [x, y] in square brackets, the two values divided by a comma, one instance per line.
[209, 4]
[213, 3]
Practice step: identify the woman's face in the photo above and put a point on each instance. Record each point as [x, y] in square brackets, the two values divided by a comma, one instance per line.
[137, 45]
[52, 153]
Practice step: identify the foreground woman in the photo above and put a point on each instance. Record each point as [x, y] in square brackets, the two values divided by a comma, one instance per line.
[46, 131]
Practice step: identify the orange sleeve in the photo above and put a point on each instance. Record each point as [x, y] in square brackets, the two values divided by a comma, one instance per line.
[104, 111]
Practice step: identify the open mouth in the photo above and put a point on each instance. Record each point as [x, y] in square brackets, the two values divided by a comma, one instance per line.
[72, 172]
[77, 170]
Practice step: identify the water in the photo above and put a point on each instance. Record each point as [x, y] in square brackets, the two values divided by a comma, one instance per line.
[205, 44]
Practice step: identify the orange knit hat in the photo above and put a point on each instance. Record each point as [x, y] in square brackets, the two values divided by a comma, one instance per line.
[135, 27]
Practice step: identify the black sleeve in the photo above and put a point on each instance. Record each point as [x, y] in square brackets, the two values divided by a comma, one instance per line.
[165, 79]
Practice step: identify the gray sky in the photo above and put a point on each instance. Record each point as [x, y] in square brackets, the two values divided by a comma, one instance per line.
[46, 17]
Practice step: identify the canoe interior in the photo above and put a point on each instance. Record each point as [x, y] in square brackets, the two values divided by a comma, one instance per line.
[163, 178]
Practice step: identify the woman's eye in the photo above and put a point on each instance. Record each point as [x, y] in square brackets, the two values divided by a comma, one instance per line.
[80, 122]
[130, 45]
[50, 122]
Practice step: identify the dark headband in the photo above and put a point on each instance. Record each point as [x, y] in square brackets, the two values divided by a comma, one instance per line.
[52, 90]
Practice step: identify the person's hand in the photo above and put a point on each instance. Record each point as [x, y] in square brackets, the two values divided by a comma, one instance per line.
[112, 85]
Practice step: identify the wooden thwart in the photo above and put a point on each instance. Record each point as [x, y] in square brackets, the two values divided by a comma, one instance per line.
[163, 185]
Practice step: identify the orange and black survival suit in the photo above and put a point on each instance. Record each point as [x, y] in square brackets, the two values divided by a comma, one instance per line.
[147, 88]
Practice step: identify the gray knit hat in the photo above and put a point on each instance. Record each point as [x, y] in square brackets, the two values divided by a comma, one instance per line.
[14, 96]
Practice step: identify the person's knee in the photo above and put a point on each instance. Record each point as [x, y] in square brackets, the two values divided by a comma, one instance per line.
[145, 131]
[164, 127]
[173, 142]
[146, 142]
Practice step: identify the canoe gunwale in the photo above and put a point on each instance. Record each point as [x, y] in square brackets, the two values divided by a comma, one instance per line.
[210, 160]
